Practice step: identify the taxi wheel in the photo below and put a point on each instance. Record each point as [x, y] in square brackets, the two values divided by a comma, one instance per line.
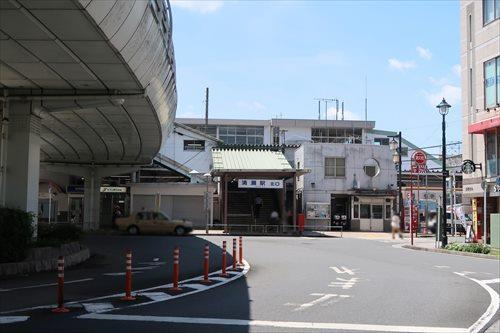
[133, 230]
[179, 231]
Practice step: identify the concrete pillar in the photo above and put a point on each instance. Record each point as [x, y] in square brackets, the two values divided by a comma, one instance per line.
[91, 201]
[22, 166]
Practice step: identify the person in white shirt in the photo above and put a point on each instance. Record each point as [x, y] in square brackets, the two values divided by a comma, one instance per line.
[395, 225]
[274, 216]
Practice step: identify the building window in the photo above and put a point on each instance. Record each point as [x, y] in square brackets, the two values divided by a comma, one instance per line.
[334, 167]
[382, 141]
[371, 167]
[491, 10]
[388, 212]
[276, 136]
[377, 211]
[365, 211]
[242, 135]
[198, 145]
[337, 135]
[356, 211]
[491, 154]
[491, 82]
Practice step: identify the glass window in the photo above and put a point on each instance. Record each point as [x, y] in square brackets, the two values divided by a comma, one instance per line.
[259, 140]
[377, 211]
[388, 212]
[365, 211]
[488, 11]
[356, 212]
[334, 167]
[371, 167]
[490, 83]
[491, 154]
[497, 8]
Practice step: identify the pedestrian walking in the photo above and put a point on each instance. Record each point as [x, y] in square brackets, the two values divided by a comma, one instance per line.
[275, 217]
[395, 221]
[257, 205]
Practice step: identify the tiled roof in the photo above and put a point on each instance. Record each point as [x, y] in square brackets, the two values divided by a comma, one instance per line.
[249, 160]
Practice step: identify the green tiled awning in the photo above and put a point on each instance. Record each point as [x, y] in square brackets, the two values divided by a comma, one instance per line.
[240, 160]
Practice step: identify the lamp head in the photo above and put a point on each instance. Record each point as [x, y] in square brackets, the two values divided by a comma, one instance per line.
[443, 107]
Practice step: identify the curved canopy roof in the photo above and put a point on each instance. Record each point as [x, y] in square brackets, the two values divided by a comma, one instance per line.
[102, 74]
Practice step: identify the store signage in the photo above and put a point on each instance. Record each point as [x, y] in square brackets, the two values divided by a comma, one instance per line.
[468, 167]
[74, 189]
[419, 157]
[260, 183]
[113, 189]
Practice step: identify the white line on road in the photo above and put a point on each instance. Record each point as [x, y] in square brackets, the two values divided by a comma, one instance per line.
[97, 307]
[45, 285]
[120, 273]
[12, 319]
[156, 296]
[342, 270]
[492, 308]
[491, 281]
[441, 266]
[277, 324]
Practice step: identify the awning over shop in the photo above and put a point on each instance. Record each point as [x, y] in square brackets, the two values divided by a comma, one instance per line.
[482, 126]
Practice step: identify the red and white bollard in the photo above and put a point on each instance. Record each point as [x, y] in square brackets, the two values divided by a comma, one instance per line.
[235, 259]
[205, 265]
[175, 287]
[240, 261]
[60, 287]
[224, 274]
[128, 278]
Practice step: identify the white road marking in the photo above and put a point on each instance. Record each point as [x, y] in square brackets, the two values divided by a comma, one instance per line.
[153, 263]
[144, 268]
[156, 296]
[156, 259]
[120, 273]
[77, 302]
[491, 281]
[342, 270]
[195, 286]
[438, 266]
[277, 324]
[12, 319]
[323, 298]
[492, 308]
[344, 284]
[46, 285]
[97, 307]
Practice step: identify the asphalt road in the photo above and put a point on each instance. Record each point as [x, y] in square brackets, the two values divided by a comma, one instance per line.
[297, 285]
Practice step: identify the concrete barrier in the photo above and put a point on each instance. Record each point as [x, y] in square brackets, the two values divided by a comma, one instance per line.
[45, 259]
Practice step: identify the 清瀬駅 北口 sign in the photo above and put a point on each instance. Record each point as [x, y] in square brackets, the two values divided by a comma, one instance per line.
[260, 183]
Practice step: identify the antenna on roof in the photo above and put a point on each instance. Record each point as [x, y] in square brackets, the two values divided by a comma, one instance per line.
[366, 108]
[342, 110]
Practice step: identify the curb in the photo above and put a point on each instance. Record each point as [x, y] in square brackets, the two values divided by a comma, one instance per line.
[457, 253]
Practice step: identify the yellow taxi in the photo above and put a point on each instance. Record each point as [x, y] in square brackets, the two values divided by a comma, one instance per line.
[153, 222]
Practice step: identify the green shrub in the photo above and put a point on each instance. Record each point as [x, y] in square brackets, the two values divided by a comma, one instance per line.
[470, 247]
[16, 231]
[57, 233]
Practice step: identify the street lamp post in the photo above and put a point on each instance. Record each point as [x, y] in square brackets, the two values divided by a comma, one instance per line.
[443, 108]
[396, 158]
[207, 203]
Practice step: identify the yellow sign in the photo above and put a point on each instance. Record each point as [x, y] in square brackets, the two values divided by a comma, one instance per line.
[474, 215]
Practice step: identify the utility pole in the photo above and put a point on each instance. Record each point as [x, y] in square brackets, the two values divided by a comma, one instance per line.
[337, 109]
[206, 110]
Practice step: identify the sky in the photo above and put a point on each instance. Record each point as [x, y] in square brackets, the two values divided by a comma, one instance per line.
[264, 59]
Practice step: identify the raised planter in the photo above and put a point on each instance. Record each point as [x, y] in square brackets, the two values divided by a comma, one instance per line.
[42, 259]
[458, 253]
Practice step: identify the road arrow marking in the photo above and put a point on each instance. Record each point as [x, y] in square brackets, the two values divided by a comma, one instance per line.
[343, 270]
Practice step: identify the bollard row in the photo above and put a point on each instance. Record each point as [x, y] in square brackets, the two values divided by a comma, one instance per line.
[175, 276]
